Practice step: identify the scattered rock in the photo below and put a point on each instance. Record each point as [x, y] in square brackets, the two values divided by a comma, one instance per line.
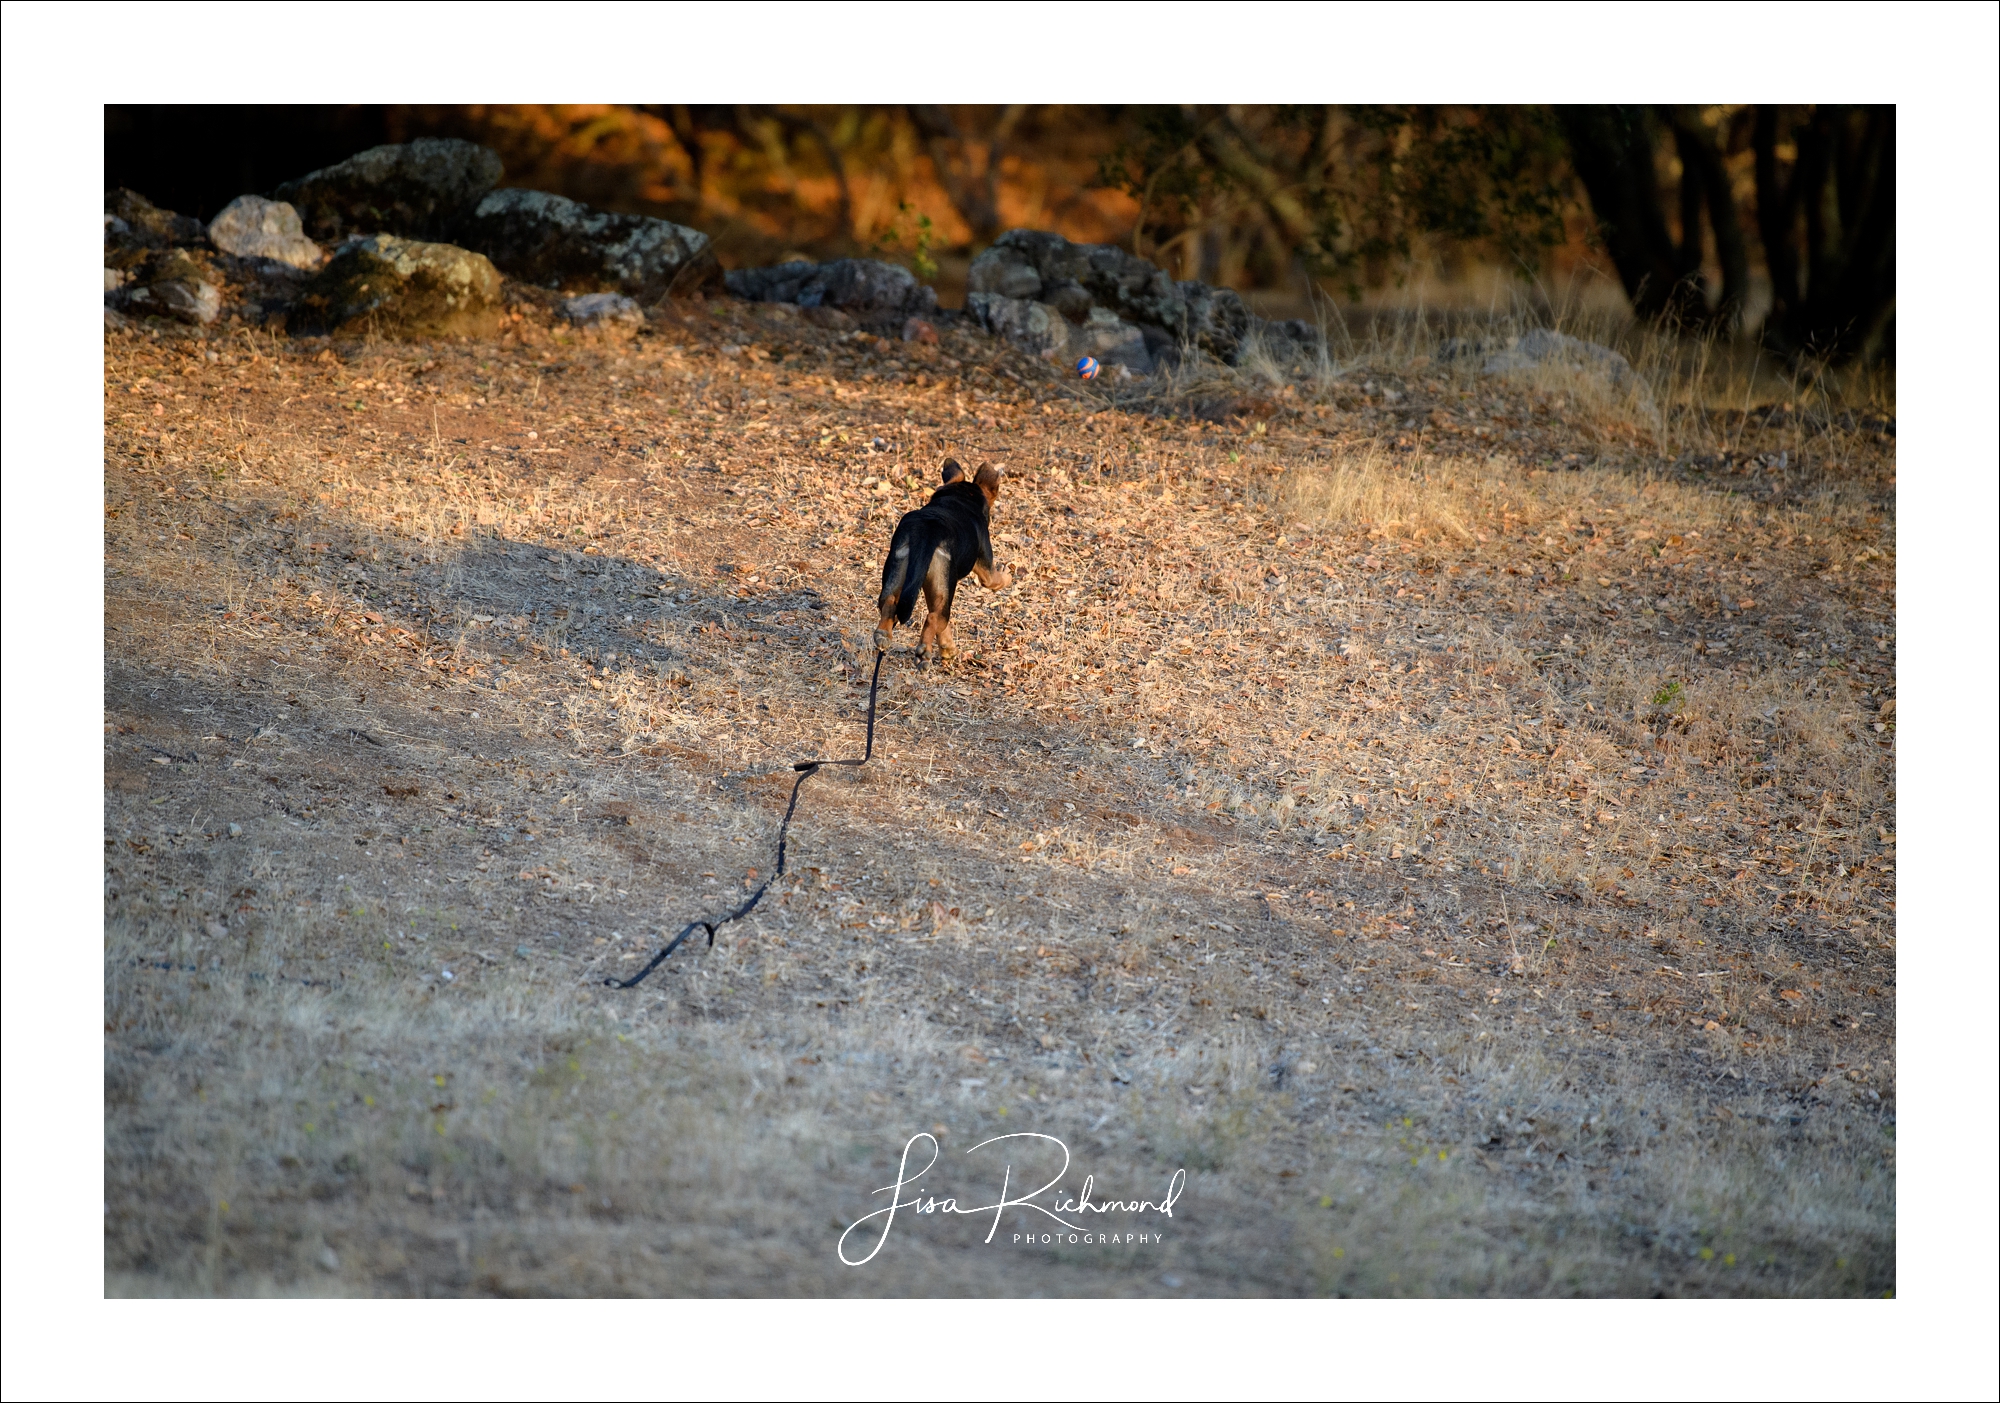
[1079, 280]
[1538, 348]
[195, 302]
[402, 287]
[831, 318]
[215, 930]
[1034, 328]
[546, 239]
[598, 308]
[918, 330]
[422, 190]
[176, 284]
[115, 278]
[862, 287]
[1041, 329]
[1114, 341]
[251, 226]
[131, 217]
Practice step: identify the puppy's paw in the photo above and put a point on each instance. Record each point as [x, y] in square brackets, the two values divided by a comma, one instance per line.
[947, 651]
[881, 641]
[931, 653]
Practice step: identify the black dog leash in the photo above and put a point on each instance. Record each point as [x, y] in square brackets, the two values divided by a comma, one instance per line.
[806, 769]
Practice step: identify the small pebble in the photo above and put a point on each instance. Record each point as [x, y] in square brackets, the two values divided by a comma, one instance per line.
[447, 974]
[236, 830]
[216, 930]
[521, 951]
[880, 444]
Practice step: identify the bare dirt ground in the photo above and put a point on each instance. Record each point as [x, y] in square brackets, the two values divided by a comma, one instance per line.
[1452, 819]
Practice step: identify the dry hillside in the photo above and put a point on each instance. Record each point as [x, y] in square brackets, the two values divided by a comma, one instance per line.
[1450, 817]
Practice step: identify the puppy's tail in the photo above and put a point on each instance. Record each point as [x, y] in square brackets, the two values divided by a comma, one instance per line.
[910, 551]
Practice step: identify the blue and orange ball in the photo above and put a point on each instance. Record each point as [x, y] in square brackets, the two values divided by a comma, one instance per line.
[1087, 367]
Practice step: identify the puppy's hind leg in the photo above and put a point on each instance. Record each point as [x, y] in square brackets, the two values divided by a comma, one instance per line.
[937, 605]
[947, 645]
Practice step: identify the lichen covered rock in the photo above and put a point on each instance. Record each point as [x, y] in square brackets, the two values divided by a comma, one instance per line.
[546, 239]
[862, 287]
[251, 226]
[423, 189]
[401, 287]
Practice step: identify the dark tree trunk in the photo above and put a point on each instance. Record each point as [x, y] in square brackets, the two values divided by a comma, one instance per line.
[1701, 162]
[1611, 149]
[1839, 299]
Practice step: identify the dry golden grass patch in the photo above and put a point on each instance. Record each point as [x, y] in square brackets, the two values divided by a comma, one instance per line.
[1348, 778]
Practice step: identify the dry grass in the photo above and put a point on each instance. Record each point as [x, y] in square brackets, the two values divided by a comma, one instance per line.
[1374, 798]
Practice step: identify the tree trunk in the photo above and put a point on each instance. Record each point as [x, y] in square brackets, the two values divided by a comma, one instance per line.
[1701, 158]
[1611, 149]
[1839, 299]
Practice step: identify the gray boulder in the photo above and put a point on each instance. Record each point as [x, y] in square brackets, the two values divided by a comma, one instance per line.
[1037, 266]
[401, 287]
[602, 308]
[251, 226]
[184, 299]
[1112, 339]
[420, 190]
[173, 283]
[546, 239]
[1042, 329]
[1034, 328]
[1540, 347]
[861, 287]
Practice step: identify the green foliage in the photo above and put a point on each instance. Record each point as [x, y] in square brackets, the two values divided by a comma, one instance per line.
[1670, 697]
[917, 232]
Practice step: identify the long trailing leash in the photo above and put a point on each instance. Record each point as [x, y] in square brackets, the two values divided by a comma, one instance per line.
[806, 770]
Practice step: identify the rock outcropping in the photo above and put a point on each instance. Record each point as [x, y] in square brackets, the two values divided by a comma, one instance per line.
[400, 287]
[421, 190]
[546, 239]
[863, 288]
[1084, 284]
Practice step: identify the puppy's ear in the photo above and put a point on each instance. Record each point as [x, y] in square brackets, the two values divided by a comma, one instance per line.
[952, 471]
[988, 480]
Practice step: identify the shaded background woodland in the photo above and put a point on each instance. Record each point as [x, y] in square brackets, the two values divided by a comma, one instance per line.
[1774, 224]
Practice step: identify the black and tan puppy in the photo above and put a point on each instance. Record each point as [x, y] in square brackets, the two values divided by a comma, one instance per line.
[934, 548]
